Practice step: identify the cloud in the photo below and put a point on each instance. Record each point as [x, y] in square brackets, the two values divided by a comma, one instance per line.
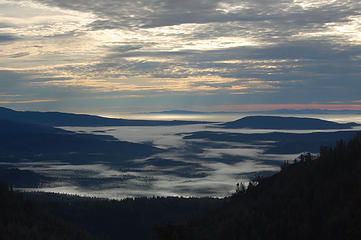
[156, 13]
[250, 51]
[9, 79]
[5, 38]
[20, 54]
[5, 25]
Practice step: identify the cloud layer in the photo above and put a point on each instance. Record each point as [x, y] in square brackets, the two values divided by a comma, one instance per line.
[184, 53]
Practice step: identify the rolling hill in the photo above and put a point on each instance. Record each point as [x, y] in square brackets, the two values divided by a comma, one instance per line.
[80, 120]
[289, 123]
[26, 141]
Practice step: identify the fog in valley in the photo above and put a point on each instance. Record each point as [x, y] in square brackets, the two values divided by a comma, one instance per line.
[184, 166]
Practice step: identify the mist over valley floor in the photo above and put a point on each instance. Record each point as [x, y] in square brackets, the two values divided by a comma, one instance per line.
[194, 160]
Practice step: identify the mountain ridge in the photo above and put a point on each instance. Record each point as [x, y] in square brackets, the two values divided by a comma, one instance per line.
[286, 123]
[81, 120]
[277, 111]
[21, 141]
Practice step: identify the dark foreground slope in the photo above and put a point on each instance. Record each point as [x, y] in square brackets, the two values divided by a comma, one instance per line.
[310, 199]
[24, 219]
[276, 122]
[131, 219]
[28, 216]
[80, 120]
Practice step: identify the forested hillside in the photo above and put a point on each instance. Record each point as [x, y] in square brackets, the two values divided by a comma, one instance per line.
[310, 199]
[57, 216]
[24, 219]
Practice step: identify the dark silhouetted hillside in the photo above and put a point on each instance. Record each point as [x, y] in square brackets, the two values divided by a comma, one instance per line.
[57, 216]
[310, 199]
[125, 219]
[271, 112]
[84, 120]
[22, 178]
[295, 123]
[25, 141]
[279, 142]
[16, 127]
[308, 111]
[27, 220]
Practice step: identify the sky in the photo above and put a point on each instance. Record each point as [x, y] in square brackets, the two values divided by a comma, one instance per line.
[112, 56]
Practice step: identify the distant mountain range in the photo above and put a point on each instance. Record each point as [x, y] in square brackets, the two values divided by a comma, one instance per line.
[80, 120]
[309, 111]
[278, 142]
[289, 123]
[278, 111]
[186, 112]
[85, 120]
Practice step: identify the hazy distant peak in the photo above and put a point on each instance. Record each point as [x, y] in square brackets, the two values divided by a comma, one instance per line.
[277, 122]
[84, 120]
